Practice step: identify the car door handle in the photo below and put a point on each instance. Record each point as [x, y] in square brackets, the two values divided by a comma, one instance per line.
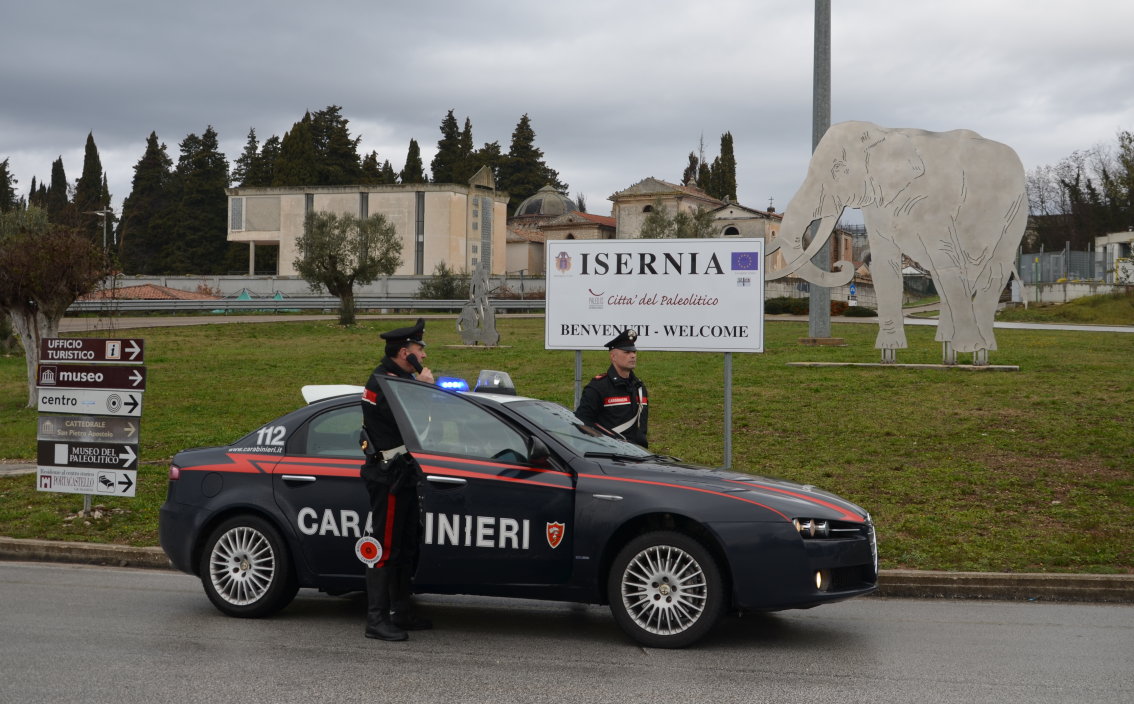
[298, 478]
[438, 479]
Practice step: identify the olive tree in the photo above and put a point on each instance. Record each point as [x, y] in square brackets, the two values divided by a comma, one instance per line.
[337, 251]
[44, 268]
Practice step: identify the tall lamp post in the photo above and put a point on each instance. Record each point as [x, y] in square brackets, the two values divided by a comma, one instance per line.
[103, 215]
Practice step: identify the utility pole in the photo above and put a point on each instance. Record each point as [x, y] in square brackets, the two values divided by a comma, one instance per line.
[819, 297]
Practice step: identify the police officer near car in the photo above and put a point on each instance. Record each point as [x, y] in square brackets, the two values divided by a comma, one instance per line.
[617, 400]
[390, 476]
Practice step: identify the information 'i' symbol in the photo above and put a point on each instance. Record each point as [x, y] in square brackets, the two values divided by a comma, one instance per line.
[113, 403]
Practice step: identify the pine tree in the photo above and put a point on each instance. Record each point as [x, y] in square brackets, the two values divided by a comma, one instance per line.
[447, 159]
[371, 170]
[297, 164]
[466, 163]
[33, 196]
[88, 193]
[489, 155]
[336, 151]
[266, 165]
[8, 182]
[147, 215]
[414, 171]
[199, 244]
[245, 164]
[524, 172]
[689, 176]
[389, 176]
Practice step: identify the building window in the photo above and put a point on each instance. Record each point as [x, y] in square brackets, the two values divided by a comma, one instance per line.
[648, 209]
[363, 205]
[474, 249]
[731, 231]
[308, 202]
[419, 235]
[237, 214]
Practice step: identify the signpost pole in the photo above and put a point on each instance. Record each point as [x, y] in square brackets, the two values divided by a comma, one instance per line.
[578, 378]
[728, 410]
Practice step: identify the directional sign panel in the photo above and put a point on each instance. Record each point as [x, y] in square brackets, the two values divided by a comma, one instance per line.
[88, 429]
[81, 480]
[97, 455]
[90, 402]
[91, 349]
[92, 376]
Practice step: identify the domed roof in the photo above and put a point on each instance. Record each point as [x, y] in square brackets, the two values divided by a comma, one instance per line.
[546, 202]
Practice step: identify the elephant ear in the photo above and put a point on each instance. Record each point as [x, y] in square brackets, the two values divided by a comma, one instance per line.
[892, 163]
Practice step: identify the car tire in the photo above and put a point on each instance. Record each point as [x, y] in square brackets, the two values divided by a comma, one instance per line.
[665, 590]
[245, 568]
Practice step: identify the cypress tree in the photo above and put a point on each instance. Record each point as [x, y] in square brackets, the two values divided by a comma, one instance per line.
[245, 164]
[371, 170]
[465, 155]
[200, 234]
[336, 152]
[88, 193]
[727, 177]
[8, 188]
[297, 164]
[446, 160]
[58, 200]
[414, 171]
[146, 212]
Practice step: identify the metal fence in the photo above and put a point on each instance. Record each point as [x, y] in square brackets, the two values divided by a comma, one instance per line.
[309, 304]
[1064, 265]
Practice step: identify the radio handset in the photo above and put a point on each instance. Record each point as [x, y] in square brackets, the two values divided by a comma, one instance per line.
[414, 362]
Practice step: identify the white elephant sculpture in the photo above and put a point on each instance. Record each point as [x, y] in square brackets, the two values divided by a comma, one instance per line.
[952, 201]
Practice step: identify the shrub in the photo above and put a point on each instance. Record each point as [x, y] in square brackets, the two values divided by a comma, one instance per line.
[860, 312]
[839, 307]
[446, 284]
[785, 304]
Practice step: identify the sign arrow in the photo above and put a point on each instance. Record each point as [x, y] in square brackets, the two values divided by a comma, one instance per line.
[130, 429]
[128, 455]
[125, 483]
[136, 377]
[132, 403]
[133, 349]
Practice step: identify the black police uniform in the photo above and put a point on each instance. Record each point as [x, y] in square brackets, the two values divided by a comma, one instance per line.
[391, 481]
[615, 403]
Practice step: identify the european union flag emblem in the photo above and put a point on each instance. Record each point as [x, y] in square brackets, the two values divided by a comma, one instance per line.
[745, 261]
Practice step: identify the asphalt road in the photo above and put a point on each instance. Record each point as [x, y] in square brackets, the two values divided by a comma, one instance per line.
[96, 634]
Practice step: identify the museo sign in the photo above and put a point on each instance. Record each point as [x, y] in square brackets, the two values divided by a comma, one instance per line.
[677, 294]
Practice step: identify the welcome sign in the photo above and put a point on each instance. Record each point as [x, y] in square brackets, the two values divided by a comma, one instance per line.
[704, 295]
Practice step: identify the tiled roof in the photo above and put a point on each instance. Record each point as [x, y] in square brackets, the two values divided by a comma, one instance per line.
[147, 292]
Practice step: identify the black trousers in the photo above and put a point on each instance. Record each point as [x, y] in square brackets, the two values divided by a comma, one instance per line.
[396, 522]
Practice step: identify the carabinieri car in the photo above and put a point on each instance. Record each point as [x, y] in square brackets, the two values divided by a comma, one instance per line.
[518, 499]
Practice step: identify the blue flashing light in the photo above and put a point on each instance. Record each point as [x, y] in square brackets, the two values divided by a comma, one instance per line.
[453, 383]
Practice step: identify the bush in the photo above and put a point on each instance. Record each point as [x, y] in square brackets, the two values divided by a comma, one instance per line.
[839, 307]
[446, 285]
[785, 304]
[860, 312]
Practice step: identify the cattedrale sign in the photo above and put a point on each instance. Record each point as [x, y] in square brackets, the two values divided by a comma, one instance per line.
[677, 294]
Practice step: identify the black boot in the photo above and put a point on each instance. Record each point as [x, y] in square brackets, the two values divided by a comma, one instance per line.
[402, 613]
[378, 623]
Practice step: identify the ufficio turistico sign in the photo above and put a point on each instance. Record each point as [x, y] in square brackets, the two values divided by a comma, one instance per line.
[89, 394]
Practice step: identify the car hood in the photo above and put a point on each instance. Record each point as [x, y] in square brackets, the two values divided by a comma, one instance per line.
[791, 498]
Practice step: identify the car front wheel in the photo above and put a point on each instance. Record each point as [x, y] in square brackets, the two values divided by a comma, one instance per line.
[245, 568]
[665, 590]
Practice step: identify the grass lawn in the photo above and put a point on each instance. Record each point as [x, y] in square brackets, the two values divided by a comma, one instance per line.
[1018, 471]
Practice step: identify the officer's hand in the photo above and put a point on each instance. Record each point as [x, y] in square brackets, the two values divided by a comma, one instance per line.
[426, 375]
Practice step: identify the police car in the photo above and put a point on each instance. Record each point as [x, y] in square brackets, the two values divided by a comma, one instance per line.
[518, 499]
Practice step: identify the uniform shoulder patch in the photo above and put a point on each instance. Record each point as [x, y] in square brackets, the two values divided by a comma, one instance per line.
[600, 376]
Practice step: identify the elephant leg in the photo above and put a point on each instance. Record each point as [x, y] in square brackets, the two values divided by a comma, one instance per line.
[886, 270]
[959, 322]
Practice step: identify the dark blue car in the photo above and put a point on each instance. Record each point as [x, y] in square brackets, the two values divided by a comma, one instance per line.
[518, 499]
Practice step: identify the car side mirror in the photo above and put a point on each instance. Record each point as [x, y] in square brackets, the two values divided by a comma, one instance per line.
[538, 454]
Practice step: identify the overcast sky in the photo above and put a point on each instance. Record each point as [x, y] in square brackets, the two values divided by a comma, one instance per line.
[616, 91]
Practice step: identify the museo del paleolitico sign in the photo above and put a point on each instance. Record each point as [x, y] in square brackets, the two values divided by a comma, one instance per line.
[89, 394]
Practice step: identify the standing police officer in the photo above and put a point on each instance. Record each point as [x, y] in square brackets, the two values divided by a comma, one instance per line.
[391, 481]
[617, 400]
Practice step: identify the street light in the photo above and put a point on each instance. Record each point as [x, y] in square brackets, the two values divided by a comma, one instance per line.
[103, 215]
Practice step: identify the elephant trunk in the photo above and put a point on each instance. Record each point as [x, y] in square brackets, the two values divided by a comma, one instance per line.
[805, 212]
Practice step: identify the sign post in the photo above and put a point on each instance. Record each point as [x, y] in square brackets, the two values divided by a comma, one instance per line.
[89, 394]
[685, 295]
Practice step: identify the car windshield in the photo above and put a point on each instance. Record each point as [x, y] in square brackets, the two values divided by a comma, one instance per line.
[569, 430]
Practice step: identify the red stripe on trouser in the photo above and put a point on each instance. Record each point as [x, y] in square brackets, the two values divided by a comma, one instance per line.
[388, 531]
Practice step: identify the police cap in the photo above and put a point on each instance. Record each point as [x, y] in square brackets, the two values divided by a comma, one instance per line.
[405, 335]
[624, 341]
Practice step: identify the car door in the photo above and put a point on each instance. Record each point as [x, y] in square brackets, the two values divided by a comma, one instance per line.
[318, 488]
[489, 515]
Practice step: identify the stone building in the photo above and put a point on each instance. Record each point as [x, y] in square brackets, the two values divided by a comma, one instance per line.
[461, 225]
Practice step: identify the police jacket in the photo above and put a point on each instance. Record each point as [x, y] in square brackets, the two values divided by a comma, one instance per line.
[377, 418]
[616, 404]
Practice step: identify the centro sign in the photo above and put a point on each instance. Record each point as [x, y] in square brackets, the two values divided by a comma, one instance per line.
[677, 294]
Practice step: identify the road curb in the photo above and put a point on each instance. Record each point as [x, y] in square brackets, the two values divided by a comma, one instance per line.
[910, 584]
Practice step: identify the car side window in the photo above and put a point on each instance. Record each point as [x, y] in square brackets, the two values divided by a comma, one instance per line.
[335, 433]
[444, 422]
